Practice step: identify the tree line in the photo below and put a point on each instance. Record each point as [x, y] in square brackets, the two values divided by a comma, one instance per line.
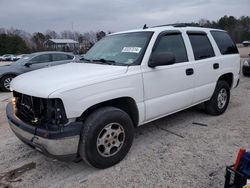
[17, 41]
[238, 29]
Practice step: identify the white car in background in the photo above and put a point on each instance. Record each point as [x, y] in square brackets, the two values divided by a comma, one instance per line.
[7, 57]
[246, 43]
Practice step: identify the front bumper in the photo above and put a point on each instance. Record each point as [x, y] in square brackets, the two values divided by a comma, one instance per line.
[61, 144]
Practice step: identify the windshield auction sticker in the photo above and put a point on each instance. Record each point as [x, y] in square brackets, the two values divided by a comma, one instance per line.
[131, 50]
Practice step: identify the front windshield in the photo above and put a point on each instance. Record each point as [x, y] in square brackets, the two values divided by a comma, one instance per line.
[23, 59]
[119, 49]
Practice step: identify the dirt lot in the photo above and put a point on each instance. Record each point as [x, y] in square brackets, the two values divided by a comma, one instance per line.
[170, 152]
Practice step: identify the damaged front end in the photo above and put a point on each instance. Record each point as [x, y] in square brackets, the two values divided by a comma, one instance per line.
[43, 124]
[39, 111]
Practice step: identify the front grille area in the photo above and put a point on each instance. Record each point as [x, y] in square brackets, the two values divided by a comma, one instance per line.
[39, 111]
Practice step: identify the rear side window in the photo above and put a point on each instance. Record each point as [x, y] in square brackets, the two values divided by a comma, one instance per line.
[201, 45]
[70, 57]
[61, 57]
[224, 42]
[175, 44]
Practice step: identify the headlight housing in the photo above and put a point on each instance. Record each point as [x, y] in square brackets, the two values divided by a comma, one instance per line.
[38, 111]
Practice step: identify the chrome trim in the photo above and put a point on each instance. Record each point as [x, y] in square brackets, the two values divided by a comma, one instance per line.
[57, 147]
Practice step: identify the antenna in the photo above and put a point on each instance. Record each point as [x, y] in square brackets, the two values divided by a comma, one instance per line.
[72, 26]
[145, 26]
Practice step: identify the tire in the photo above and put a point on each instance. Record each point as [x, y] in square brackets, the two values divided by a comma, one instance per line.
[244, 72]
[101, 129]
[217, 105]
[5, 82]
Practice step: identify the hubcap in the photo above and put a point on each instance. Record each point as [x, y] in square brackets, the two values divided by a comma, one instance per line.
[222, 98]
[110, 139]
[6, 82]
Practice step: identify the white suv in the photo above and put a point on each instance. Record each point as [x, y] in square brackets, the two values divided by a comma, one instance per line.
[90, 109]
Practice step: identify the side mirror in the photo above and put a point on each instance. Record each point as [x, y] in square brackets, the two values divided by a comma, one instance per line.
[161, 59]
[27, 64]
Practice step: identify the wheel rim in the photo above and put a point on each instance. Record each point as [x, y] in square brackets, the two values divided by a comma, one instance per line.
[110, 140]
[222, 98]
[6, 82]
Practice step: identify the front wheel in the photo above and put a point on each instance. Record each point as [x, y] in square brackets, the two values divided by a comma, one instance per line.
[245, 73]
[218, 103]
[106, 137]
[5, 82]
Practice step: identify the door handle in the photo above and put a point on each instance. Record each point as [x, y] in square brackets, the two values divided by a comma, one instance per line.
[189, 71]
[216, 65]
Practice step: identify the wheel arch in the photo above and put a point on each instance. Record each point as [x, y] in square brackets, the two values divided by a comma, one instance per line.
[126, 104]
[227, 77]
[8, 73]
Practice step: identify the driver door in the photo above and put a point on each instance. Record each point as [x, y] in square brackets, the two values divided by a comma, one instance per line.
[38, 62]
[169, 88]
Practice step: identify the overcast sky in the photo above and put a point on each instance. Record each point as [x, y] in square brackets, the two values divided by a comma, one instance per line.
[111, 15]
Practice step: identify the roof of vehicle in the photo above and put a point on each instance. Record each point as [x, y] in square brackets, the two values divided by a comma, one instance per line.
[181, 27]
[63, 41]
[50, 52]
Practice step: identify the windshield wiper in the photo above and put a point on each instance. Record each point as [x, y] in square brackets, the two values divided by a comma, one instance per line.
[105, 61]
[83, 59]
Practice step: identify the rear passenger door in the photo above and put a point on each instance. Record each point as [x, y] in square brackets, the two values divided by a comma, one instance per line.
[168, 88]
[206, 66]
[58, 59]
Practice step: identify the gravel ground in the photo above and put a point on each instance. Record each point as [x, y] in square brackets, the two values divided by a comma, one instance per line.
[170, 152]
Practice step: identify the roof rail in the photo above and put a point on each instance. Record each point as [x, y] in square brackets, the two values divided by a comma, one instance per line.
[179, 25]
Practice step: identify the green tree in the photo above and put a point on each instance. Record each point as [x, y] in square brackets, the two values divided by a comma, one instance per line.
[39, 39]
[12, 44]
[238, 29]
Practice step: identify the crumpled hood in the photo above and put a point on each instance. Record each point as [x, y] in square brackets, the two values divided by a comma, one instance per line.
[43, 82]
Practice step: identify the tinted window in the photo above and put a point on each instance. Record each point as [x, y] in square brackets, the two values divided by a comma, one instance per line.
[61, 57]
[41, 59]
[224, 42]
[201, 45]
[175, 44]
[70, 57]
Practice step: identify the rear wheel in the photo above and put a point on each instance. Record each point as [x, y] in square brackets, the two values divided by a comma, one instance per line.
[5, 82]
[106, 137]
[218, 103]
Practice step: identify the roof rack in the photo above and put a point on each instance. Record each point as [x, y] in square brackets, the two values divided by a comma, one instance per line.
[179, 25]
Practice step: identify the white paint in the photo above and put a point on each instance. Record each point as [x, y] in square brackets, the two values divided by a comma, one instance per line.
[157, 91]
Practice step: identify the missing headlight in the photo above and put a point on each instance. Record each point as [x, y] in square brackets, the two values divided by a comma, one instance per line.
[38, 111]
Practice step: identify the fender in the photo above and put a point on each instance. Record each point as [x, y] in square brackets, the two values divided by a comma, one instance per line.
[9, 73]
[78, 100]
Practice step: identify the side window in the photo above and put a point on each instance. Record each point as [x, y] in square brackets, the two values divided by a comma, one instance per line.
[41, 59]
[201, 45]
[173, 43]
[70, 57]
[224, 43]
[61, 57]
